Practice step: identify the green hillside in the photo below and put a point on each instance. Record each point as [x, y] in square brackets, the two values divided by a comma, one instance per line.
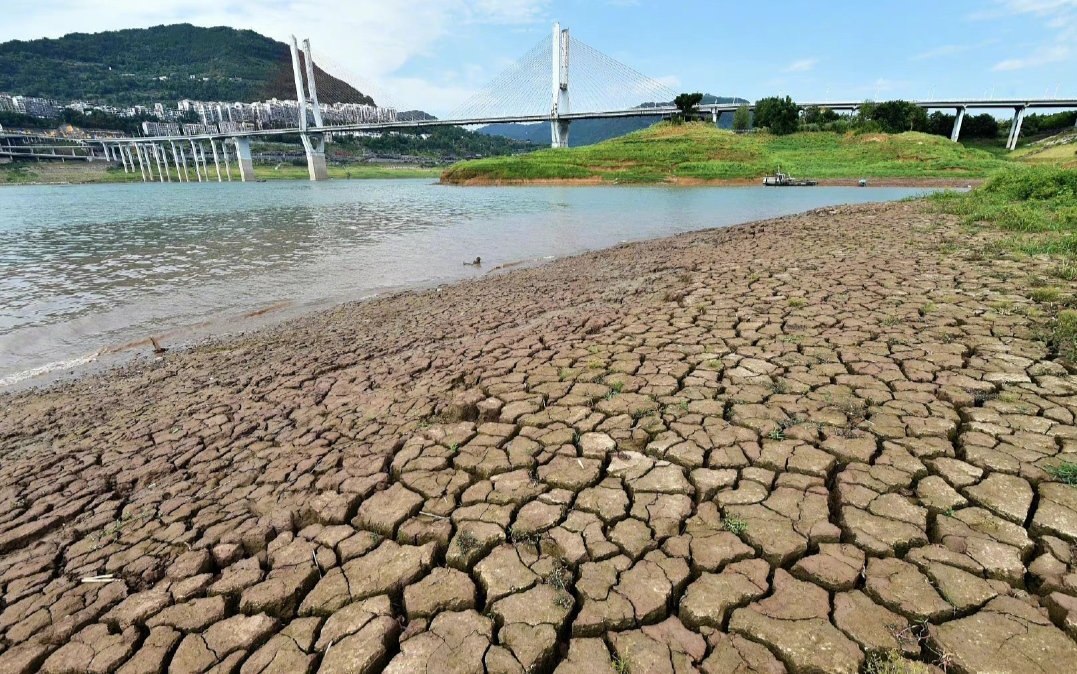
[702, 152]
[125, 67]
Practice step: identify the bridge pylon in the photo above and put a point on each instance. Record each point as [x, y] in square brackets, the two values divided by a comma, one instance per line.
[313, 144]
[559, 104]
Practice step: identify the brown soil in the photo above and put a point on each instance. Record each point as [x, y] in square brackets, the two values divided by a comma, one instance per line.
[776, 447]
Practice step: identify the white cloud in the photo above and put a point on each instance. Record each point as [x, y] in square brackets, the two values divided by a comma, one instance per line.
[801, 66]
[671, 81]
[1040, 57]
[373, 38]
[1058, 15]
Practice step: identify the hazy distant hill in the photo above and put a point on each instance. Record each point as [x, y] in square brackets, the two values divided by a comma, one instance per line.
[590, 131]
[162, 64]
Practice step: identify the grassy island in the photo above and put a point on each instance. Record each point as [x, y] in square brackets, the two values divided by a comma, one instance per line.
[700, 152]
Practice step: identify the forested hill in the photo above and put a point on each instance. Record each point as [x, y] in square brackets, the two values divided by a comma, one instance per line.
[126, 67]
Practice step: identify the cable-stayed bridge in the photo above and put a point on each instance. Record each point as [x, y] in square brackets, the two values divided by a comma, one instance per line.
[558, 81]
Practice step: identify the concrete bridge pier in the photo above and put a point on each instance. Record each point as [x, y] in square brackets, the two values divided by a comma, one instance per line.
[1015, 127]
[161, 171]
[131, 160]
[243, 159]
[216, 163]
[958, 121]
[183, 162]
[160, 150]
[227, 166]
[559, 128]
[194, 158]
[141, 164]
[314, 144]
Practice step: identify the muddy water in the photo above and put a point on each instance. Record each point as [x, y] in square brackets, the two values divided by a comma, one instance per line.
[90, 269]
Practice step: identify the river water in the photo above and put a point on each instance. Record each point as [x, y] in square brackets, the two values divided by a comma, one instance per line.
[86, 269]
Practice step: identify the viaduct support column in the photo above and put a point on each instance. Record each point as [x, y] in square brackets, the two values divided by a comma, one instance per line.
[164, 159]
[1015, 128]
[157, 156]
[956, 135]
[227, 166]
[216, 163]
[141, 164]
[131, 151]
[559, 104]
[194, 156]
[243, 158]
[183, 161]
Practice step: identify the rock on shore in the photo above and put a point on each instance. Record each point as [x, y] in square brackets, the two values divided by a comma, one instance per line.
[794, 446]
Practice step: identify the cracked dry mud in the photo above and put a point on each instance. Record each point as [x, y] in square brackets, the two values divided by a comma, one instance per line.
[790, 446]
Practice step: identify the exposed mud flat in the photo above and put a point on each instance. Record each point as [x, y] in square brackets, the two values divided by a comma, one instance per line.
[781, 447]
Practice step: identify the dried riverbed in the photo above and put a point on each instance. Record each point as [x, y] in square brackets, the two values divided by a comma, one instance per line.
[786, 446]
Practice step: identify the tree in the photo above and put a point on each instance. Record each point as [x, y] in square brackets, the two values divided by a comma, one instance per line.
[942, 124]
[687, 103]
[900, 116]
[742, 119]
[980, 126]
[780, 115]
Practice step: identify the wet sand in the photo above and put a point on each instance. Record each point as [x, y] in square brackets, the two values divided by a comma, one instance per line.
[784, 446]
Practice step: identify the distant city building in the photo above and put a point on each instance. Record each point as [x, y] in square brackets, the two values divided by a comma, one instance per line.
[160, 129]
[212, 116]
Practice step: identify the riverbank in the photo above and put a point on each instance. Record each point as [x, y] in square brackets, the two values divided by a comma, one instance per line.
[702, 153]
[88, 173]
[926, 183]
[617, 461]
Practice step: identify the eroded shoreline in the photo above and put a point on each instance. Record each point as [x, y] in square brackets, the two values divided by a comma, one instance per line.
[794, 444]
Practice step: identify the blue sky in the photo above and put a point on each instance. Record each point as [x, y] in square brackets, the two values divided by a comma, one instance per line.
[432, 54]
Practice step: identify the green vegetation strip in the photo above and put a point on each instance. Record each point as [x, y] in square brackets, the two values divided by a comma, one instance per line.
[699, 151]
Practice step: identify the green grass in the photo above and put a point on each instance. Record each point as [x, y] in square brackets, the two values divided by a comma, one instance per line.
[1037, 205]
[291, 172]
[702, 152]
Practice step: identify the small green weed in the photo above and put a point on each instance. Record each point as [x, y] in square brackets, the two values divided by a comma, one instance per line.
[796, 302]
[466, 541]
[1065, 472]
[734, 525]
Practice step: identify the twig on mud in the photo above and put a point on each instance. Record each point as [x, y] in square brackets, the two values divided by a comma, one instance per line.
[437, 517]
